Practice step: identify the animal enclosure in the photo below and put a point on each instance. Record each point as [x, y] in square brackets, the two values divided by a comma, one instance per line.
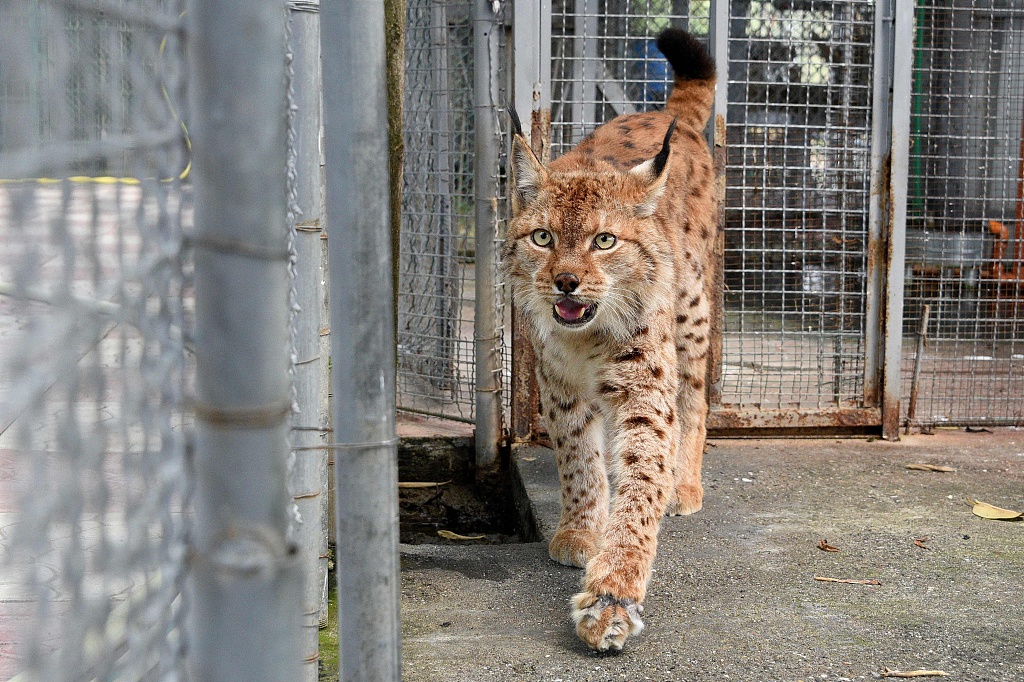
[870, 159]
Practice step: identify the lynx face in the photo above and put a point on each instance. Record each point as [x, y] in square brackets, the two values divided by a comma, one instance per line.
[585, 252]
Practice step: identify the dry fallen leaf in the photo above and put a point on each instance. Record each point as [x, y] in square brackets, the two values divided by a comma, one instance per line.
[448, 535]
[914, 673]
[422, 484]
[823, 545]
[919, 542]
[846, 580]
[929, 467]
[987, 511]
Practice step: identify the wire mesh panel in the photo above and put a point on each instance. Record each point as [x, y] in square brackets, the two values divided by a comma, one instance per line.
[965, 246]
[797, 199]
[92, 449]
[605, 63]
[435, 297]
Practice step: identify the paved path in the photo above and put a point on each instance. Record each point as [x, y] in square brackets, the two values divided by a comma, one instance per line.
[734, 596]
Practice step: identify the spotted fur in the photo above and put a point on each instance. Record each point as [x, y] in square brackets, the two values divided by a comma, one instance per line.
[608, 258]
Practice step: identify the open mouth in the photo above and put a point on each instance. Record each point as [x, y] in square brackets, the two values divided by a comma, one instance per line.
[571, 313]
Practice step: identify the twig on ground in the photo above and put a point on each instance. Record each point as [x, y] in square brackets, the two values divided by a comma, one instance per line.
[846, 580]
[913, 673]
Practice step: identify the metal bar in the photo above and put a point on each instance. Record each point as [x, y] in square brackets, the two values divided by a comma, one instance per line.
[903, 63]
[584, 108]
[244, 581]
[309, 471]
[878, 208]
[730, 419]
[922, 343]
[485, 99]
[363, 339]
[719, 38]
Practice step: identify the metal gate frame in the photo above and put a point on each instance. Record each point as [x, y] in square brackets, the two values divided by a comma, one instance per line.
[889, 163]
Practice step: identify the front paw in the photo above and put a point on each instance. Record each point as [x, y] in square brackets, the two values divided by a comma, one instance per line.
[573, 546]
[688, 500]
[604, 622]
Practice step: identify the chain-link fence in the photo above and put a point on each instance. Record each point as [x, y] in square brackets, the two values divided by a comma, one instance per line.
[965, 248]
[92, 312]
[437, 267]
[435, 299]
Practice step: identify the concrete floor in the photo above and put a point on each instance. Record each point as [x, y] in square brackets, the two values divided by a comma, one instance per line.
[733, 594]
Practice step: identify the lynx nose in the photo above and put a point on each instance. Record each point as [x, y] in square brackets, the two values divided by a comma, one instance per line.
[567, 282]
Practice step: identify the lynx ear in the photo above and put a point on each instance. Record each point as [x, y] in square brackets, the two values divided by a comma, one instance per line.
[527, 171]
[655, 173]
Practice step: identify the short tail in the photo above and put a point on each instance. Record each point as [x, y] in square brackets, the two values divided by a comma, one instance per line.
[694, 90]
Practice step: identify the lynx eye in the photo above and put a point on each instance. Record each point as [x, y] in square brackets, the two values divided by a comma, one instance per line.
[604, 240]
[541, 237]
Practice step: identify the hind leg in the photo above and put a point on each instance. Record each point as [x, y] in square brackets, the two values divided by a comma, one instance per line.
[692, 346]
[692, 409]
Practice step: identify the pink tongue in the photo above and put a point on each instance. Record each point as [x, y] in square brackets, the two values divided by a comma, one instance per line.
[570, 310]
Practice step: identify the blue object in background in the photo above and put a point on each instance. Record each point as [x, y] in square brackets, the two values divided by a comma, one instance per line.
[648, 72]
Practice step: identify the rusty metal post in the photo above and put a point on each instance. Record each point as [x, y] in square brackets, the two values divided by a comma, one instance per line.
[878, 210]
[531, 42]
[903, 72]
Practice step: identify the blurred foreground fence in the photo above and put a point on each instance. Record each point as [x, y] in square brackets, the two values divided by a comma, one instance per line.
[94, 305]
[117, 486]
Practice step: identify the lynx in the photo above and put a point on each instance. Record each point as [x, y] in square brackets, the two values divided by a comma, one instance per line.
[608, 259]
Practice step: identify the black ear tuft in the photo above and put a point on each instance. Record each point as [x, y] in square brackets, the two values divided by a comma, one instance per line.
[517, 127]
[688, 56]
[662, 158]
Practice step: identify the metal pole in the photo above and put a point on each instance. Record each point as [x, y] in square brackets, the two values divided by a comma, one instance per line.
[531, 34]
[903, 72]
[719, 47]
[310, 424]
[363, 338]
[922, 343]
[244, 580]
[485, 95]
[878, 210]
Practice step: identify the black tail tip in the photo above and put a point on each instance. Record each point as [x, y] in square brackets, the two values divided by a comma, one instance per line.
[688, 56]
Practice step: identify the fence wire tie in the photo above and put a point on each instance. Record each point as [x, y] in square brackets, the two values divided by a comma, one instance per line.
[312, 6]
[238, 248]
[261, 417]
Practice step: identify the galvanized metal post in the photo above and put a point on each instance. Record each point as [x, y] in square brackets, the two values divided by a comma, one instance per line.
[878, 209]
[244, 580]
[310, 424]
[902, 85]
[485, 101]
[363, 338]
[718, 31]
